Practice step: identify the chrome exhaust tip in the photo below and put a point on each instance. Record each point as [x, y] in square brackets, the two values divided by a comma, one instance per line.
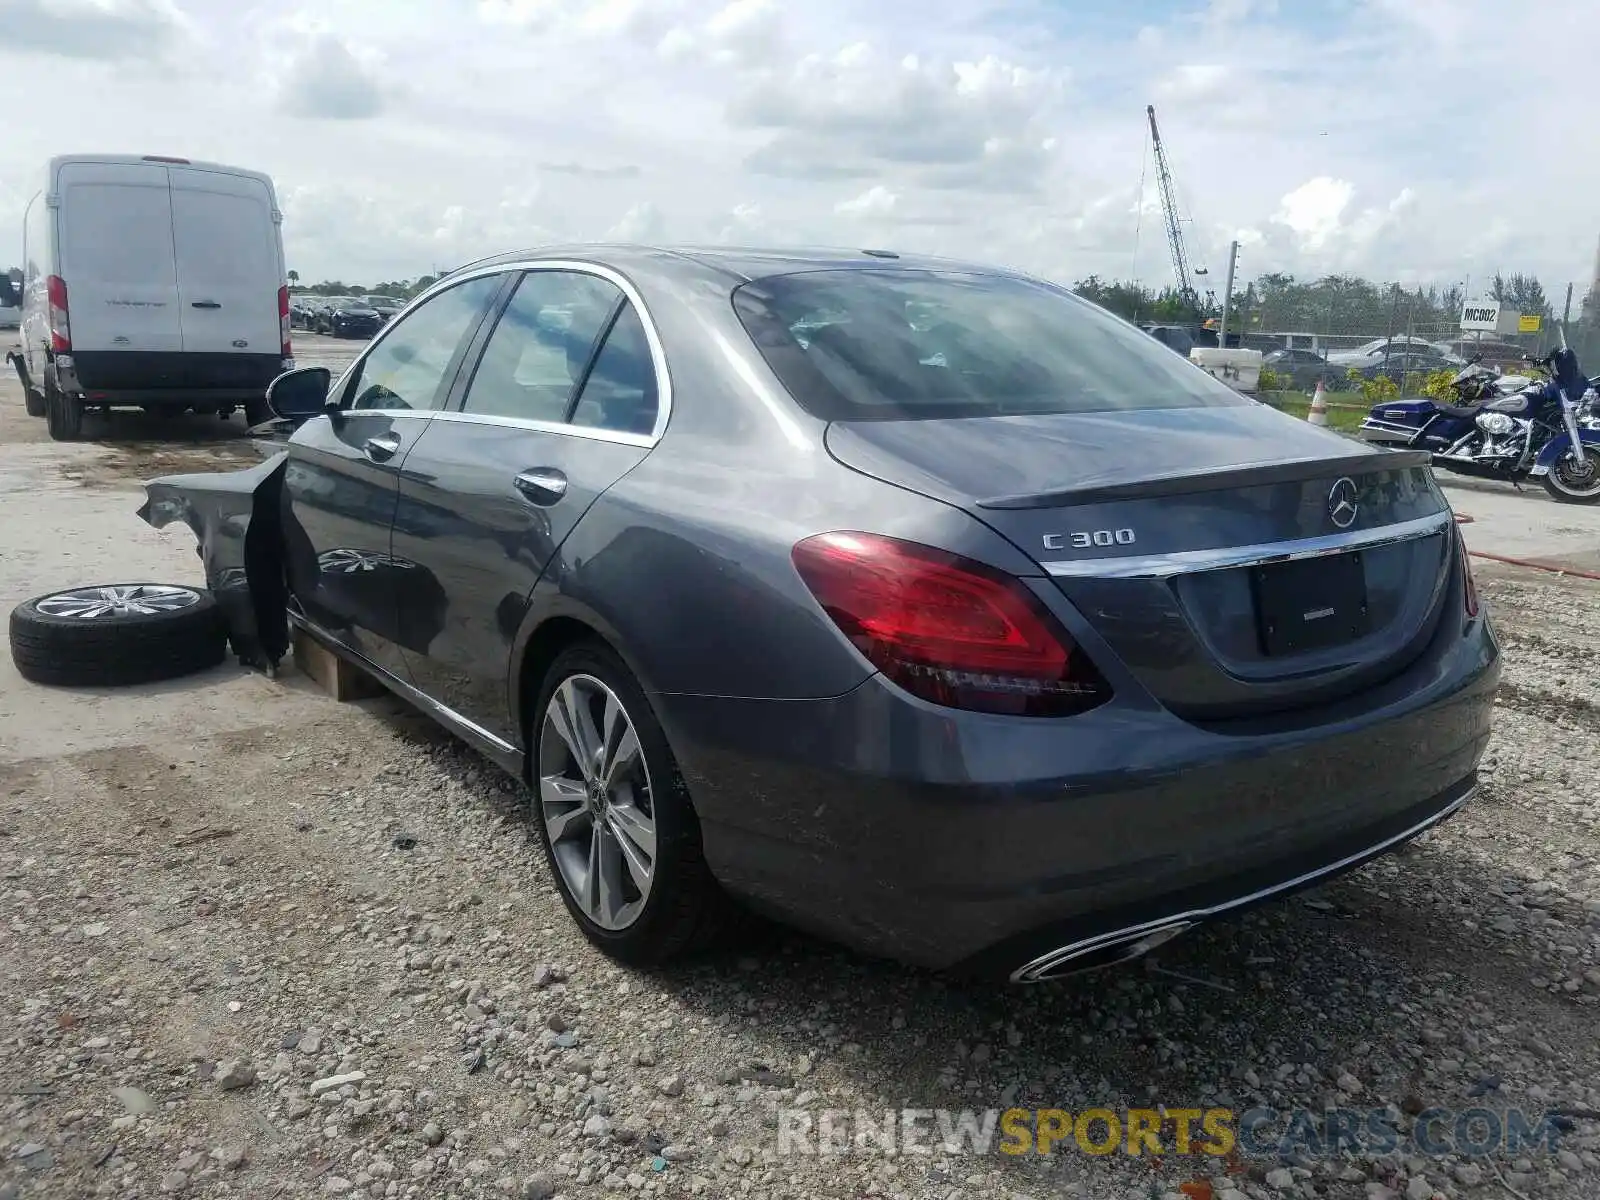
[1094, 954]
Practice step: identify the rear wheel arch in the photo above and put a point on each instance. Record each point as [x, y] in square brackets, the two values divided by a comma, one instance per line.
[543, 638]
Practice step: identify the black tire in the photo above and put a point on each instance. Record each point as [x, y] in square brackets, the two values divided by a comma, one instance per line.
[33, 401]
[63, 416]
[686, 909]
[119, 648]
[1569, 492]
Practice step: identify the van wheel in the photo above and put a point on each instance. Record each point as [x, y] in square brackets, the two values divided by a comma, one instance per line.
[116, 635]
[256, 412]
[63, 416]
[33, 401]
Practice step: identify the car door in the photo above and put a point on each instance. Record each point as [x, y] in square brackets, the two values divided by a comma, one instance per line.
[342, 474]
[117, 259]
[565, 398]
[225, 233]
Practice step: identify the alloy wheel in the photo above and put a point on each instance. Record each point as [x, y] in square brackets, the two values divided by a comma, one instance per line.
[98, 603]
[596, 801]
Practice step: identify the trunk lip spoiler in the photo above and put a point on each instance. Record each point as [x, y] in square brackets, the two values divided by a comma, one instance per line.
[1368, 462]
[1187, 562]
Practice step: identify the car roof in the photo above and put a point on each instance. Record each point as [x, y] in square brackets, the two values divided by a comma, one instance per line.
[737, 263]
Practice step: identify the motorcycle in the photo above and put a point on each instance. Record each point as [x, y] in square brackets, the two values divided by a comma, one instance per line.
[1531, 432]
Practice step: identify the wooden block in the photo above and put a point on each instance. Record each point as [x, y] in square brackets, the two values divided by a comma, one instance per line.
[335, 676]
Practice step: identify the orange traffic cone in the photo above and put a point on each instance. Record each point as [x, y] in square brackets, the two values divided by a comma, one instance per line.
[1319, 406]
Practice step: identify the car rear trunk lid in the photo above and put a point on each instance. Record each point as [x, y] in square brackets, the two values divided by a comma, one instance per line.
[1235, 560]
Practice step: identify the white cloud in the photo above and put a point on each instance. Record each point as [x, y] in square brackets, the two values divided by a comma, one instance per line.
[327, 80]
[642, 222]
[92, 29]
[1013, 133]
[1314, 209]
[876, 201]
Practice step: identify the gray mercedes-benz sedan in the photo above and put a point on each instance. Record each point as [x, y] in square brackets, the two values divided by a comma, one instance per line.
[923, 605]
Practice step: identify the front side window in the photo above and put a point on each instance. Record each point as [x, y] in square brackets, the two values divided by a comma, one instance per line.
[542, 346]
[410, 368]
[887, 344]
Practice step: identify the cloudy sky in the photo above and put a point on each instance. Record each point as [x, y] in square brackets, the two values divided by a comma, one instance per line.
[1419, 140]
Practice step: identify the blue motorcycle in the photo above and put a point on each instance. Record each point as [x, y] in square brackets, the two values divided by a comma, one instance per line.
[1528, 433]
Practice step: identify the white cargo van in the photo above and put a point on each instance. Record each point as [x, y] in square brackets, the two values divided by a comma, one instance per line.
[154, 283]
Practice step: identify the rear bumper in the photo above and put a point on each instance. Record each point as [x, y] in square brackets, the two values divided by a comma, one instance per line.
[952, 840]
[169, 377]
[171, 399]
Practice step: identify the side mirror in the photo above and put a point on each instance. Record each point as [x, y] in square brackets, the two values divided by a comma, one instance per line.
[300, 394]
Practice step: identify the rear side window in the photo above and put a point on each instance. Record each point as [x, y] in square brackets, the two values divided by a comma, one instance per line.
[541, 346]
[870, 344]
[620, 393]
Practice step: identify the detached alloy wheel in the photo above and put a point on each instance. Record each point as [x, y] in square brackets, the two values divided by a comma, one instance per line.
[615, 819]
[114, 635]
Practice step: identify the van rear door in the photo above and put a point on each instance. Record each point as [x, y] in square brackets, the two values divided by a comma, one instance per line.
[116, 257]
[229, 262]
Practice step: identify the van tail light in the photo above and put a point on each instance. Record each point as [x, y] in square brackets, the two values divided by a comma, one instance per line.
[1469, 585]
[60, 328]
[946, 629]
[284, 328]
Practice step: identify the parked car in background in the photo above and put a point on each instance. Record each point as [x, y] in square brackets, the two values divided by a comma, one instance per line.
[353, 318]
[385, 306]
[154, 283]
[1374, 352]
[10, 303]
[1507, 356]
[303, 310]
[1174, 337]
[347, 316]
[929, 606]
[1301, 368]
[1411, 361]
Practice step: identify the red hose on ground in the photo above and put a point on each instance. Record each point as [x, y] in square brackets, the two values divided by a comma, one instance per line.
[1463, 519]
[1537, 566]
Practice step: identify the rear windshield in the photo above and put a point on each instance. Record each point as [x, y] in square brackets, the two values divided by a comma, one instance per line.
[896, 345]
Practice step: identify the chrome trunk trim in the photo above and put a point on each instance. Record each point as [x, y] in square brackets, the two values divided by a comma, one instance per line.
[1183, 562]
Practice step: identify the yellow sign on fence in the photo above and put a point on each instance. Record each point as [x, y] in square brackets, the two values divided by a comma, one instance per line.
[1529, 324]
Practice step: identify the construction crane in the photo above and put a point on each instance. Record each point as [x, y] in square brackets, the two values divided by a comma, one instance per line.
[1169, 206]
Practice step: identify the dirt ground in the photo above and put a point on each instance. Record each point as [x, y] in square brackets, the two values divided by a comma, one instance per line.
[257, 944]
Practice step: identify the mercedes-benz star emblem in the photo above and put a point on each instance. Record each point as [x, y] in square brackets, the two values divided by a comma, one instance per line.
[1342, 503]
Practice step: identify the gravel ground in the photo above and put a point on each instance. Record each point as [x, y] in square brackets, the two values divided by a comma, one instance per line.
[322, 956]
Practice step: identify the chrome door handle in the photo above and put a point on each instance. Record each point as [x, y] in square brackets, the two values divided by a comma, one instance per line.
[542, 485]
[382, 447]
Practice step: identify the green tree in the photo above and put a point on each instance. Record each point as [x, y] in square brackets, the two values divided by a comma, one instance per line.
[1522, 293]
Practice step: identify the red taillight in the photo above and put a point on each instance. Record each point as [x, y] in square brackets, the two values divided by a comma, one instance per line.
[284, 328]
[60, 328]
[1469, 585]
[947, 629]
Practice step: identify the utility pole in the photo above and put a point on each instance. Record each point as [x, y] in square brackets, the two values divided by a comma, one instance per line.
[1227, 295]
[1566, 312]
